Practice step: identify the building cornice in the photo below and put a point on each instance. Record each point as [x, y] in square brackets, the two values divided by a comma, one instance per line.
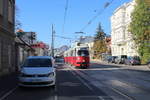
[125, 5]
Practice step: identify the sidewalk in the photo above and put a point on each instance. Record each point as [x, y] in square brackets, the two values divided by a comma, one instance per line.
[135, 67]
[7, 82]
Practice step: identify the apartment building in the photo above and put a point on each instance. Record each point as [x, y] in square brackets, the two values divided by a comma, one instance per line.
[7, 36]
[122, 39]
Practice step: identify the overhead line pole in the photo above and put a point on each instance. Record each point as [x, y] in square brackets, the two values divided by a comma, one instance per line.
[65, 14]
[52, 42]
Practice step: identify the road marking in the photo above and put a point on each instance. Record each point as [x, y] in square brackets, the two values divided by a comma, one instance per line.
[55, 98]
[85, 83]
[101, 98]
[55, 89]
[75, 74]
[72, 72]
[129, 98]
[8, 93]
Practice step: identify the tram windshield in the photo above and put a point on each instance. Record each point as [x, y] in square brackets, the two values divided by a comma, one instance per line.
[83, 53]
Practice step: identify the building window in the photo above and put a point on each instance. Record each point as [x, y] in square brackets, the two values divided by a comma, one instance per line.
[1, 7]
[10, 11]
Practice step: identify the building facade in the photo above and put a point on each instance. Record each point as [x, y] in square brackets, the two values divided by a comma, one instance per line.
[41, 49]
[122, 39]
[7, 36]
[108, 44]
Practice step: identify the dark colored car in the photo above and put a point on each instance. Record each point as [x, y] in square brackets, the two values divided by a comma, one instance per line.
[133, 60]
[121, 59]
[108, 59]
[111, 59]
[59, 60]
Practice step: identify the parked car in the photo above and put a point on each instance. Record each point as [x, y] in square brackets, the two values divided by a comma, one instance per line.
[111, 59]
[37, 71]
[121, 59]
[133, 60]
[59, 60]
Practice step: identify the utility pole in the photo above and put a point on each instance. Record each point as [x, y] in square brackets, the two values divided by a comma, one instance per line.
[52, 42]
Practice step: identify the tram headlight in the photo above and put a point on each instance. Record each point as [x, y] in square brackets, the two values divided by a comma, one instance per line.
[78, 58]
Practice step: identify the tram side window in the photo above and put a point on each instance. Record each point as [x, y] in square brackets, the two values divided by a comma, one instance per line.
[71, 53]
[83, 53]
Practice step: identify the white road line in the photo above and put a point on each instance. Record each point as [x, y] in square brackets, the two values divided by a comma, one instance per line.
[85, 83]
[101, 98]
[129, 98]
[81, 80]
[8, 93]
[55, 97]
[73, 73]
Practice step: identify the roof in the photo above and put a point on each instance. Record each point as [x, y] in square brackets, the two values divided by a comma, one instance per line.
[87, 39]
[39, 57]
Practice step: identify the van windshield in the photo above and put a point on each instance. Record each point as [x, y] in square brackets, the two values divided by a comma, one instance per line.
[38, 63]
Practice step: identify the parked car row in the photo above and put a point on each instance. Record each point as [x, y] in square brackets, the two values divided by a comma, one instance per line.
[124, 59]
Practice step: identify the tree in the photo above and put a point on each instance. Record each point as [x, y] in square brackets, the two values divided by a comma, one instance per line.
[140, 28]
[17, 21]
[99, 42]
[100, 35]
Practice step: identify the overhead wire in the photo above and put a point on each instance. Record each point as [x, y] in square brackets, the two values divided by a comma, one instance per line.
[98, 14]
[63, 37]
[65, 14]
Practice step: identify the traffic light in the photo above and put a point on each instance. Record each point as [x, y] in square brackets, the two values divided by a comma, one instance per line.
[33, 35]
[20, 33]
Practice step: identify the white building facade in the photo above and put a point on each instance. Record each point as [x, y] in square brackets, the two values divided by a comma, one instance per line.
[122, 40]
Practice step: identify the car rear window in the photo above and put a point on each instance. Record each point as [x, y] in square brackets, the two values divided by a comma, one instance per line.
[38, 63]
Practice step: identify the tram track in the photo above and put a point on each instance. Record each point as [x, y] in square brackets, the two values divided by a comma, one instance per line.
[86, 76]
[127, 68]
[128, 83]
[135, 77]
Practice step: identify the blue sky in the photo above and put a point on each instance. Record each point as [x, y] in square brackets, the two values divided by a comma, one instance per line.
[39, 15]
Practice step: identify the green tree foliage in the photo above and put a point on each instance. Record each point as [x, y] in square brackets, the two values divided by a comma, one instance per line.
[140, 28]
[99, 42]
[100, 35]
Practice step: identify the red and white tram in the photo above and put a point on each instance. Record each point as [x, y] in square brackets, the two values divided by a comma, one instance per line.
[78, 56]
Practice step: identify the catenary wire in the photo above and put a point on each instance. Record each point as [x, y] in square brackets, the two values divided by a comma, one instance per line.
[98, 14]
[65, 15]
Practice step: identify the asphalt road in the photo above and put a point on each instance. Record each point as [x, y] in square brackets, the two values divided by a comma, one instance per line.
[69, 86]
[99, 82]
